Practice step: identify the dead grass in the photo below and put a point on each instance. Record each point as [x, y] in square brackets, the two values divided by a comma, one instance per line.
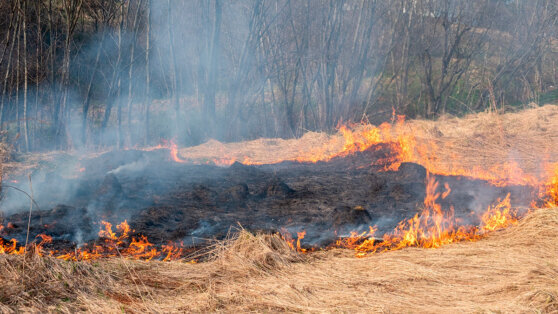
[484, 140]
[515, 270]
[36, 284]
[527, 137]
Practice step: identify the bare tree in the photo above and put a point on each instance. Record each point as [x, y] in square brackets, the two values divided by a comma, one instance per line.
[23, 11]
[147, 70]
[134, 30]
[72, 9]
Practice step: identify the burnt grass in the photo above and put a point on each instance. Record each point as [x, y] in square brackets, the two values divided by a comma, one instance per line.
[169, 201]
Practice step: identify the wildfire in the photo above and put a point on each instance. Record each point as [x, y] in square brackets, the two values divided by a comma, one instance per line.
[288, 238]
[169, 145]
[550, 188]
[403, 146]
[174, 153]
[111, 243]
[432, 227]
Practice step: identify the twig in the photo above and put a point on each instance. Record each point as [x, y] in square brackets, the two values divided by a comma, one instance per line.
[30, 210]
[22, 191]
[28, 224]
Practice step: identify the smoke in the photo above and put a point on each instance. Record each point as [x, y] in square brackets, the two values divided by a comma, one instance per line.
[49, 184]
[132, 167]
[75, 193]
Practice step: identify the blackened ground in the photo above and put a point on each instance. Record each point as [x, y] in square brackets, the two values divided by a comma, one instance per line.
[168, 201]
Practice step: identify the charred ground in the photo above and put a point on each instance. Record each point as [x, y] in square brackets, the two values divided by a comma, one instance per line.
[168, 201]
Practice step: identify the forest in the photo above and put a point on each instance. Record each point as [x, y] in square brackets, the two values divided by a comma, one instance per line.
[93, 74]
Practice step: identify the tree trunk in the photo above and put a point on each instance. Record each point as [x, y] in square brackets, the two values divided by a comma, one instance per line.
[147, 71]
[25, 77]
[37, 65]
[72, 10]
[174, 72]
[8, 68]
[87, 99]
[17, 79]
[131, 70]
[52, 46]
[114, 84]
[119, 138]
[211, 85]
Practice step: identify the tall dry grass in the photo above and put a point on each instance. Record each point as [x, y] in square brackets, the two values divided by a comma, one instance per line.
[35, 284]
[515, 270]
[487, 139]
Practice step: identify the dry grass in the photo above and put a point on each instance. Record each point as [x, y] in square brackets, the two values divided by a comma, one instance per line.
[477, 140]
[515, 270]
[36, 284]
[527, 137]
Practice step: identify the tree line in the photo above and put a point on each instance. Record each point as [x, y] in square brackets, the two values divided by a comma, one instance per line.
[122, 73]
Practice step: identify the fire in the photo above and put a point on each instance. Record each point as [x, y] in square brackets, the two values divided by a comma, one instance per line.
[169, 145]
[432, 227]
[300, 236]
[10, 247]
[174, 153]
[111, 243]
[172, 251]
[404, 146]
[499, 216]
[120, 243]
[288, 238]
[550, 188]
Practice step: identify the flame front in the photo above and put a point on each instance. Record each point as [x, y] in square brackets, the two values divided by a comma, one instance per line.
[432, 227]
[403, 145]
[111, 243]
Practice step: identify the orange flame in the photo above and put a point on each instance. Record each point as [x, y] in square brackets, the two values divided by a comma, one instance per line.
[404, 147]
[432, 227]
[300, 236]
[550, 187]
[111, 244]
[288, 238]
[174, 153]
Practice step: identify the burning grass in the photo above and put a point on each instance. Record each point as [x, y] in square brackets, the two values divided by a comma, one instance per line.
[430, 228]
[514, 270]
[32, 282]
[407, 142]
[511, 148]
